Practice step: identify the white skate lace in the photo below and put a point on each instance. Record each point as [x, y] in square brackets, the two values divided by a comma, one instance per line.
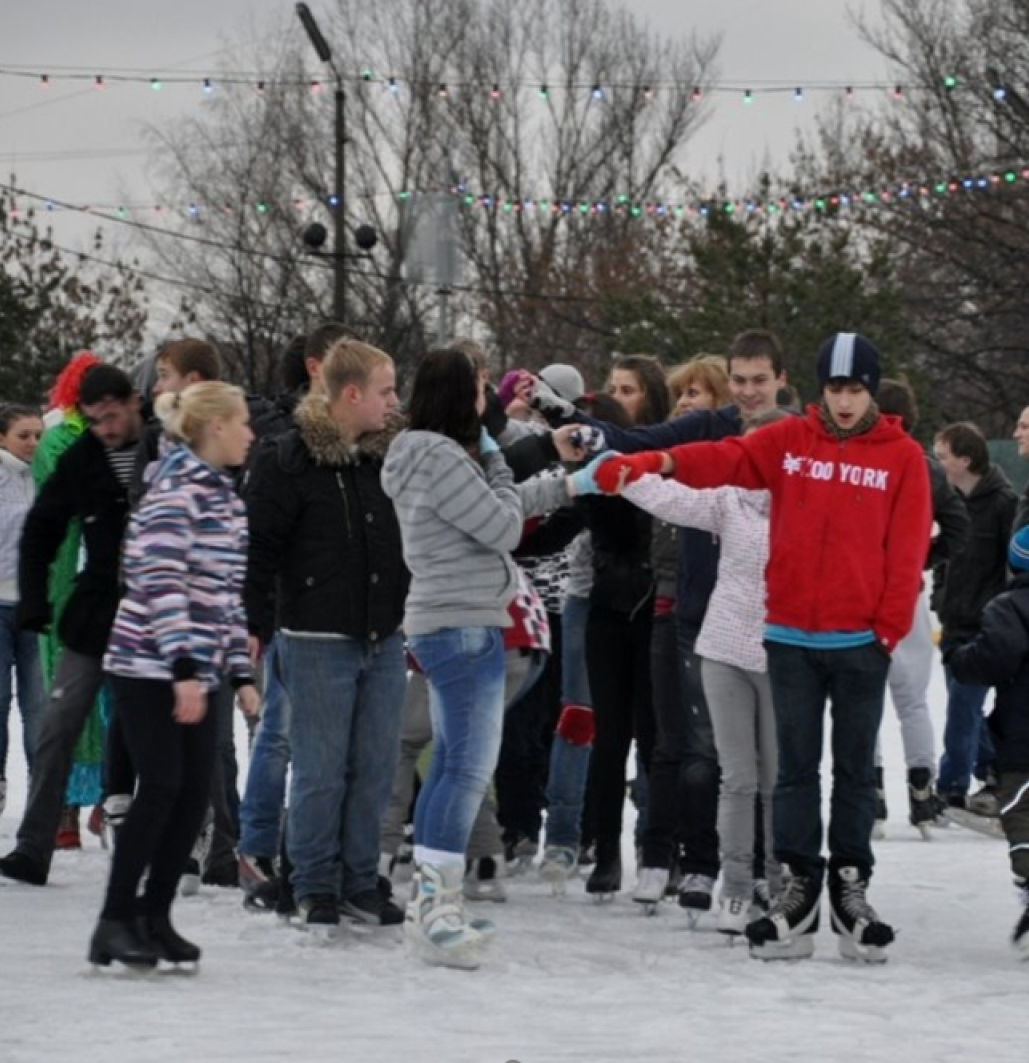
[853, 901]
[793, 900]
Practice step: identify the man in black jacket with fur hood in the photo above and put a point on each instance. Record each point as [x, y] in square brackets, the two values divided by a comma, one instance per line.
[324, 537]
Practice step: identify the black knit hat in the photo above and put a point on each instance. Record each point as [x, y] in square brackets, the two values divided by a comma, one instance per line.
[848, 356]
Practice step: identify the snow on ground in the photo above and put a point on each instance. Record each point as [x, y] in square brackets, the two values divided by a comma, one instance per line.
[568, 980]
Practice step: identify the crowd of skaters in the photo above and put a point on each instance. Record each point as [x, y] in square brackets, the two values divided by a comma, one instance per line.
[466, 611]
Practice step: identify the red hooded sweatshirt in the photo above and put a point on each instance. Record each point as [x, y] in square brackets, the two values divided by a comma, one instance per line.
[850, 520]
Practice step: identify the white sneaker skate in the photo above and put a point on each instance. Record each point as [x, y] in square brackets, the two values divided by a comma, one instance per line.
[650, 888]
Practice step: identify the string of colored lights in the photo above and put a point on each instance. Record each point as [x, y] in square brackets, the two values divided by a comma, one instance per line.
[618, 206]
[493, 89]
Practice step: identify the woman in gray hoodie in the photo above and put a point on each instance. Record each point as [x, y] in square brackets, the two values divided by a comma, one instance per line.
[460, 517]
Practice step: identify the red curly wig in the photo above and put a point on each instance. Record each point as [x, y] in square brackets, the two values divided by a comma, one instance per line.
[64, 395]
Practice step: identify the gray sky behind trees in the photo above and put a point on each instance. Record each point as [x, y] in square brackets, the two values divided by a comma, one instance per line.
[74, 142]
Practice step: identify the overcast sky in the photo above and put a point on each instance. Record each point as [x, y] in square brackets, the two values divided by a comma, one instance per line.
[72, 142]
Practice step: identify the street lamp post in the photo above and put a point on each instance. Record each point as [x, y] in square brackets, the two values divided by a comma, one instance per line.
[321, 46]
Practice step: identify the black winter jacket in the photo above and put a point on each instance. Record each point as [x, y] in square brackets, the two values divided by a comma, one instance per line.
[965, 583]
[323, 534]
[950, 515]
[84, 487]
[698, 550]
[999, 657]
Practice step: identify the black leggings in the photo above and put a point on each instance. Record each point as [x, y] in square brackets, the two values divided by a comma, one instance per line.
[174, 763]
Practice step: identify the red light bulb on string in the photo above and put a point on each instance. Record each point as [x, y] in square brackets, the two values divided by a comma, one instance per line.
[44, 81]
[98, 81]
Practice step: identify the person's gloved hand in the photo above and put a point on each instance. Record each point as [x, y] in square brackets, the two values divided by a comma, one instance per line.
[545, 399]
[584, 481]
[487, 444]
[628, 468]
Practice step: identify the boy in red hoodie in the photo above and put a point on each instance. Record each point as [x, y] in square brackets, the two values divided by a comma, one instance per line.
[850, 519]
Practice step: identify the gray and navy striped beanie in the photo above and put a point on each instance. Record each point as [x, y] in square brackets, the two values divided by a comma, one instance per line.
[850, 356]
[1018, 551]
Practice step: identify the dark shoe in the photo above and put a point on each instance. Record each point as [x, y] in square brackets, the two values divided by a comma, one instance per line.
[862, 934]
[606, 877]
[371, 907]
[22, 868]
[921, 798]
[788, 931]
[158, 933]
[319, 909]
[226, 874]
[116, 939]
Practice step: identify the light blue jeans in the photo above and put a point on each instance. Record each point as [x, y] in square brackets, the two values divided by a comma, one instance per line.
[19, 656]
[569, 764]
[347, 697]
[465, 671]
[260, 813]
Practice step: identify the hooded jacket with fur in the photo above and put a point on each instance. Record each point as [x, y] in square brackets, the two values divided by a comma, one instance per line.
[323, 535]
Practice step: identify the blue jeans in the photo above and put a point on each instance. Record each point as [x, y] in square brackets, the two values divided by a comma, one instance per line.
[465, 671]
[19, 655]
[347, 697]
[569, 764]
[260, 813]
[967, 747]
[854, 682]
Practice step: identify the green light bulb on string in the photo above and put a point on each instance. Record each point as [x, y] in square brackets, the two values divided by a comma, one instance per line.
[950, 82]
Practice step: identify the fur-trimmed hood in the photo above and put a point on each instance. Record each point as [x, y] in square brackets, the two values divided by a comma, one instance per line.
[324, 440]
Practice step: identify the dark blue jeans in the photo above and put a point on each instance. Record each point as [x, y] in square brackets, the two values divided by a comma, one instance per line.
[683, 780]
[967, 747]
[853, 681]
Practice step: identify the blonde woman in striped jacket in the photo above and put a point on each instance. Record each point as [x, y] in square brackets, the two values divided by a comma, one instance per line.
[180, 627]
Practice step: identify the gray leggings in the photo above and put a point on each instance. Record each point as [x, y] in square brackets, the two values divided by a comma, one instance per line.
[743, 719]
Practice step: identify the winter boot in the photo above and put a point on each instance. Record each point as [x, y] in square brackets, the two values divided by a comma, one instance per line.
[650, 888]
[435, 926]
[20, 867]
[879, 829]
[862, 935]
[259, 881]
[484, 879]
[787, 932]
[984, 801]
[606, 878]
[921, 799]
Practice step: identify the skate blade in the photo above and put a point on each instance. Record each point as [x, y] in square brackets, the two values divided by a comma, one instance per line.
[178, 970]
[851, 950]
[985, 825]
[117, 969]
[647, 907]
[603, 898]
[467, 957]
[925, 830]
[798, 948]
[320, 933]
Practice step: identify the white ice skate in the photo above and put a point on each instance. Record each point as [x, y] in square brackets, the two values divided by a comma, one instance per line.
[650, 888]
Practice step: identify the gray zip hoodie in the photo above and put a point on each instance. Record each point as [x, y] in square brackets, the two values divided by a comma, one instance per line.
[459, 521]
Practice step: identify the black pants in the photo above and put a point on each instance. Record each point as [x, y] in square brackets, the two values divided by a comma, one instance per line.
[684, 779]
[521, 775]
[174, 763]
[618, 663]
